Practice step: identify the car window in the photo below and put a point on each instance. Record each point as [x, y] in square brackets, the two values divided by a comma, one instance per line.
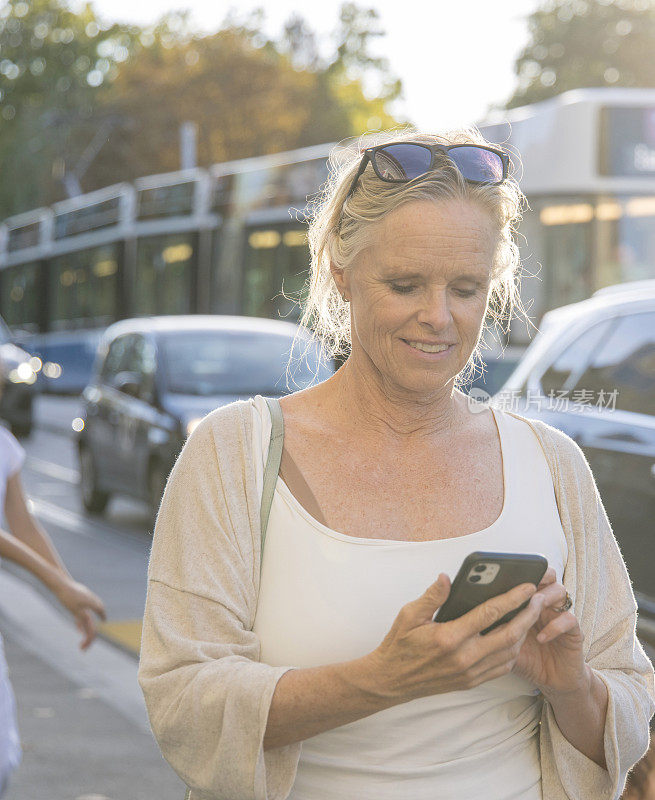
[141, 360]
[573, 360]
[625, 362]
[117, 357]
[210, 362]
[5, 333]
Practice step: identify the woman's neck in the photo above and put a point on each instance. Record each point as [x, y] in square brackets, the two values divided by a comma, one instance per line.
[359, 403]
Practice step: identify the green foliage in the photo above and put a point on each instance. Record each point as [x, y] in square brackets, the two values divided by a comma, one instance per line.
[586, 43]
[53, 66]
[84, 104]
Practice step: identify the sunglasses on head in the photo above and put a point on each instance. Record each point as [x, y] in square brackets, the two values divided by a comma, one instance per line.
[404, 161]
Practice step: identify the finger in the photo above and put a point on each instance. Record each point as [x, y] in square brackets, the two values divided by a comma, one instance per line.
[507, 636]
[564, 623]
[484, 615]
[550, 576]
[88, 629]
[99, 607]
[554, 594]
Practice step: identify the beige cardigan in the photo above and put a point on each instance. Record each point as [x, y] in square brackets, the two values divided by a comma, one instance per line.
[207, 694]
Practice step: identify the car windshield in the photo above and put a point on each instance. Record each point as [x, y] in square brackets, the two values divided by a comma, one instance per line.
[238, 362]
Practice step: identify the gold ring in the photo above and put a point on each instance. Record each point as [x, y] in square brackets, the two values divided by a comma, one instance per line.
[567, 604]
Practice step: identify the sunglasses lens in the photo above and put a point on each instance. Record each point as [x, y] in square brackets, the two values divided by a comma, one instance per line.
[402, 161]
[477, 164]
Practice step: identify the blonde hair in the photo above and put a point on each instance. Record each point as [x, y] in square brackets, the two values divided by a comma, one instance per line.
[340, 228]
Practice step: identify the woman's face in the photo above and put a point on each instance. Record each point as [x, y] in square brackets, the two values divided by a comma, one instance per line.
[425, 278]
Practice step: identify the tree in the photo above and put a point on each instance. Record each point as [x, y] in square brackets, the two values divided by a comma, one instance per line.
[85, 105]
[53, 63]
[586, 43]
[247, 94]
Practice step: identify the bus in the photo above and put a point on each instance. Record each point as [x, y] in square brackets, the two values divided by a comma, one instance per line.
[588, 172]
[231, 239]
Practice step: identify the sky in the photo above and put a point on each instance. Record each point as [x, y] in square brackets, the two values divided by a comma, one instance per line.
[455, 58]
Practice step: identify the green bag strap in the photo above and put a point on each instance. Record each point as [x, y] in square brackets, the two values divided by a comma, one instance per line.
[270, 475]
[272, 465]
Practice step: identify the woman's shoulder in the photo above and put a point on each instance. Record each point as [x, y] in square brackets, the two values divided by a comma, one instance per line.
[563, 453]
[222, 433]
[224, 418]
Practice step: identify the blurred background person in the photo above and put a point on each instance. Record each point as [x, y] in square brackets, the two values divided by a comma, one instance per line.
[27, 544]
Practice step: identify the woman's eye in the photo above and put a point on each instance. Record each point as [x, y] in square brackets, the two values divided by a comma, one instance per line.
[400, 289]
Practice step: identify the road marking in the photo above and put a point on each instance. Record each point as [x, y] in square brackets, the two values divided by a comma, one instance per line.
[126, 633]
[76, 523]
[54, 470]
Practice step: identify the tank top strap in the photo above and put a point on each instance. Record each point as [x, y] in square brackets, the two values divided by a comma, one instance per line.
[508, 447]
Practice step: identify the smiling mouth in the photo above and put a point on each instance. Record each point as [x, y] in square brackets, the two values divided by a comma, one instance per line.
[428, 348]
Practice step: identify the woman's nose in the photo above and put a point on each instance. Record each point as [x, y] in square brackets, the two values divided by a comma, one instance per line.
[435, 309]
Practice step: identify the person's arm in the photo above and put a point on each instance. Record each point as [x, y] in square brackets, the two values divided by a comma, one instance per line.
[605, 606]
[76, 597]
[581, 716]
[13, 549]
[26, 528]
[310, 701]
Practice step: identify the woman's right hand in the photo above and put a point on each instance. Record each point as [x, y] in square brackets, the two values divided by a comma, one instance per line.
[420, 657]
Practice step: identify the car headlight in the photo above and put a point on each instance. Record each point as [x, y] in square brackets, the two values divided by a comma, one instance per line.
[191, 425]
[22, 373]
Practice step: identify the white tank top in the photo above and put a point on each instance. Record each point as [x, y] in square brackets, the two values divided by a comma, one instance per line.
[327, 597]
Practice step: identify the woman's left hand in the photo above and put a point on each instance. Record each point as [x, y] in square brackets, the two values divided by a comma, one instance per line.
[556, 664]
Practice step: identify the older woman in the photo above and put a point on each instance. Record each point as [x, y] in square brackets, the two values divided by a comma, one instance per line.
[327, 677]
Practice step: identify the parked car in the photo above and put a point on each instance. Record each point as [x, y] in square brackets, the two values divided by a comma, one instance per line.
[155, 378]
[17, 384]
[591, 373]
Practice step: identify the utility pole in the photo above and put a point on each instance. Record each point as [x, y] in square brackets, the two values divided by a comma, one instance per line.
[188, 145]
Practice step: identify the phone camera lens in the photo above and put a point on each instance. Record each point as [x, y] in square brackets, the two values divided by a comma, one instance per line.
[475, 578]
[480, 568]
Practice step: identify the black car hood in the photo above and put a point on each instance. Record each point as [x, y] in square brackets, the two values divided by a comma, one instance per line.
[186, 407]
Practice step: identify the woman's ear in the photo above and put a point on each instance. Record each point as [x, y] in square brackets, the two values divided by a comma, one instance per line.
[338, 276]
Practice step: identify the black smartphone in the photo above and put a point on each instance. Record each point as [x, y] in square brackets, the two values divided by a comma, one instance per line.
[486, 575]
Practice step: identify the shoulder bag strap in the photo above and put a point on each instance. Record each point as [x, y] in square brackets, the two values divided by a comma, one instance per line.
[272, 464]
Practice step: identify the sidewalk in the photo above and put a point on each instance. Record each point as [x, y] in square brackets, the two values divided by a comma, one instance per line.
[81, 716]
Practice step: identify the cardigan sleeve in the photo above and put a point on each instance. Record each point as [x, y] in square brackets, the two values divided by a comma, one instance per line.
[206, 692]
[607, 617]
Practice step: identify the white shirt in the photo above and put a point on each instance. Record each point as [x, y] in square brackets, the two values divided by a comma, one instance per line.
[12, 458]
[327, 597]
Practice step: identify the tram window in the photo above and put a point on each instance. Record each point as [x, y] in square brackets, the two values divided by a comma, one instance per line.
[163, 282]
[625, 363]
[84, 288]
[276, 261]
[573, 359]
[19, 295]
[259, 279]
[295, 271]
